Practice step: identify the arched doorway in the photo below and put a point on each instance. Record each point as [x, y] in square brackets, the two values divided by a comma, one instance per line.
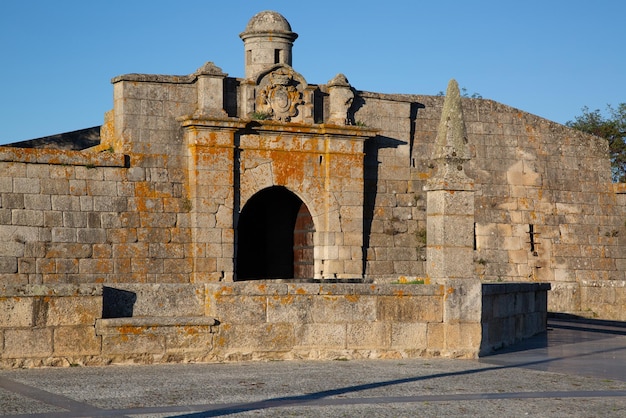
[275, 237]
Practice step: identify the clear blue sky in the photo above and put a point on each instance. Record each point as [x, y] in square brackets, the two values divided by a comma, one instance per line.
[547, 57]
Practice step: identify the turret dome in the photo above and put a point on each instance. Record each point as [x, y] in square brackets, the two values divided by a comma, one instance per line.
[267, 21]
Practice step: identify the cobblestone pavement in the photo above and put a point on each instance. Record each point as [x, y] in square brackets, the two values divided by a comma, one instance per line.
[577, 370]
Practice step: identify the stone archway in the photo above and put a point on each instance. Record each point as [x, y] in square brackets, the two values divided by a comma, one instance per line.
[274, 237]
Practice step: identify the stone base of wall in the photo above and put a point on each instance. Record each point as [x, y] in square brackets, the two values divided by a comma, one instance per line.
[329, 321]
[593, 299]
[67, 325]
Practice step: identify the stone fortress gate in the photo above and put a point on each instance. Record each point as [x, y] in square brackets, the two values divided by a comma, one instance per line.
[213, 218]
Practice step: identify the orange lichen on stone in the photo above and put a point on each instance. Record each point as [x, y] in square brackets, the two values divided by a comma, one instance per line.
[191, 330]
[224, 290]
[353, 298]
[128, 329]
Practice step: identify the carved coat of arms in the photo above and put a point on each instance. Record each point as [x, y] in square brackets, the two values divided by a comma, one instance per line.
[279, 95]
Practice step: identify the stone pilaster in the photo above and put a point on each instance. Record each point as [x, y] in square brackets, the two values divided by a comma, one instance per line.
[450, 229]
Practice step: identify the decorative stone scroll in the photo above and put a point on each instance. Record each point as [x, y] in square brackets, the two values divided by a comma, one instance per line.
[279, 93]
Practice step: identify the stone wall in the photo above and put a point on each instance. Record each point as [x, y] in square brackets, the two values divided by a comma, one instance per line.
[546, 210]
[313, 321]
[545, 207]
[65, 324]
[74, 217]
[512, 312]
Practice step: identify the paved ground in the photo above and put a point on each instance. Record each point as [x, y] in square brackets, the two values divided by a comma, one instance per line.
[577, 370]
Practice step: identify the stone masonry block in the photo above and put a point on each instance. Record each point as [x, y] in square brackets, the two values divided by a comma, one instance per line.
[6, 184]
[110, 204]
[255, 337]
[68, 250]
[91, 235]
[368, 335]
[289, 308]
[444, 202]
[37, 202]
[24, 343]
[409, 309]
[73, 310]
[16, 312]
[435, 336]
[342, 309]
[27, 217]
[242, 309]
[321, 336]
[450, 262]
[409, 335]
[187, 340]
[27, 185]
[77, 340]
[75, 219]
[8, 265]
[166, 299]
[133, 340]
[13, 200]
[55, 186]
[451, 230]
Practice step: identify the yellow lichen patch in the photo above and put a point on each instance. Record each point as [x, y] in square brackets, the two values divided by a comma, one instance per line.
[281, 300]
[224, 290]
[289, 168]
[352, 298]
[127, 329]
[191, 330]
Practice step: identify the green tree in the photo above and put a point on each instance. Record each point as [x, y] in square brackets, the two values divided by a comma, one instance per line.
[612, 128]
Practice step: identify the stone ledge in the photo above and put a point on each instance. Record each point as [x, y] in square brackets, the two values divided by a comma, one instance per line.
[502, 288]
[253, 288]
[602, 283]
[62, 157]
[135, 325]
[56, 290]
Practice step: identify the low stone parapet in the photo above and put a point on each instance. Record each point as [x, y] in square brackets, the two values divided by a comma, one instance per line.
[512, 312]
[62, 325]
[157, 339]
[326, 321]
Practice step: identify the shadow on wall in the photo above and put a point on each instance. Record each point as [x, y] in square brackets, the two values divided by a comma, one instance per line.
[117, 303]
[370, 185]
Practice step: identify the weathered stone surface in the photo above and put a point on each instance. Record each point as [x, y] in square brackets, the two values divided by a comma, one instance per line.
[16, 312]
[156, 210]
[73, 310]
[25, 343]
[76, 340]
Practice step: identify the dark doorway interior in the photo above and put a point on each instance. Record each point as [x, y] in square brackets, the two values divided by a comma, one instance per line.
[275, 237]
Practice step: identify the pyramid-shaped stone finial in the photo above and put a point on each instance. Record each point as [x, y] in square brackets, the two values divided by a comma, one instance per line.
[451, 148]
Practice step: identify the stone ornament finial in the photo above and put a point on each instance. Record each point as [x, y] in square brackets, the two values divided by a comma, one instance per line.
[210, 86]
[451, 146]
[341, 97]
[209, 68]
